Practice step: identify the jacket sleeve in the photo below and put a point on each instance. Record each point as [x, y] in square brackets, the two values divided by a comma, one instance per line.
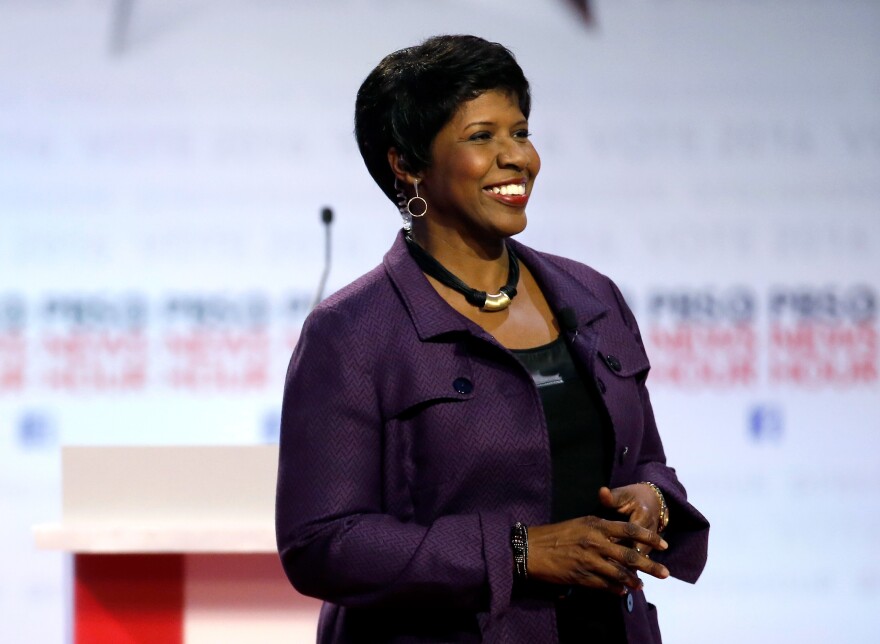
[335, 539]
[688, 530]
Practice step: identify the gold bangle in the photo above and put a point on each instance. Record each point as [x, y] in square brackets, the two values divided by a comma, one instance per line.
[664, 509]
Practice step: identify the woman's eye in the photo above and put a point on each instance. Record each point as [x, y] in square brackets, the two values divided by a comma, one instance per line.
[480, 136]
[522, 134]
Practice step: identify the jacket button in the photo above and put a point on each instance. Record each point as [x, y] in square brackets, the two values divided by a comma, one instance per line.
[601, 385]
[463, 385]
[613, 362]
[629, 602]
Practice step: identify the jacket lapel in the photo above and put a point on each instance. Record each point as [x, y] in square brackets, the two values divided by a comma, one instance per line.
[430, 313]
[561, 288]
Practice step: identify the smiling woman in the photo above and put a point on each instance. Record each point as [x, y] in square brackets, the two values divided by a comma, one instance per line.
[468, 450]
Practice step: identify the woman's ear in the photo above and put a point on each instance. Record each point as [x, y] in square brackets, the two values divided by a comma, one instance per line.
[400, 167]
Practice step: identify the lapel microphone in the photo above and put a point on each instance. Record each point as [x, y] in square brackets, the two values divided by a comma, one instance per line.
[568, 320]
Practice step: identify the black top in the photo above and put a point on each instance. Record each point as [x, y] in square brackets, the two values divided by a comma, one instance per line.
[580, 450]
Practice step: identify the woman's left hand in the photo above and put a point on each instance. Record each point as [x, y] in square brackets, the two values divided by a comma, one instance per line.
[638, 502]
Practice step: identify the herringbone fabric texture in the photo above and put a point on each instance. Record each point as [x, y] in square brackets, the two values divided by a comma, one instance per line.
[411, 442]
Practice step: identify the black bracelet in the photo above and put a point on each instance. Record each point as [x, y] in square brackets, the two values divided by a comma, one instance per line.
[519, 541]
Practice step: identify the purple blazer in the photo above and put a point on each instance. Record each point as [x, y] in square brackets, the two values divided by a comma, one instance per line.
[411, 442]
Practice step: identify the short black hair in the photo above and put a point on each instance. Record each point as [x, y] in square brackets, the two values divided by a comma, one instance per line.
[408, 98]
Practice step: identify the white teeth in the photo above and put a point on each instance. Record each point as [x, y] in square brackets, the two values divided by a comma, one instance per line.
[510, 189]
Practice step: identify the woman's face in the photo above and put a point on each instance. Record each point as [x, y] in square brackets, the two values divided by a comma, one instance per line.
[482, 169]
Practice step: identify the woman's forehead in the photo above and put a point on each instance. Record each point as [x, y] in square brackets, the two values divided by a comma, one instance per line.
[486, 108]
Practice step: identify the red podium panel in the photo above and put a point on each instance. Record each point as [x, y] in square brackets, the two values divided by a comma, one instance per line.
[128, 599]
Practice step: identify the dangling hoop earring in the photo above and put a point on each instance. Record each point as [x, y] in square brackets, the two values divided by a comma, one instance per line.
[417, 198]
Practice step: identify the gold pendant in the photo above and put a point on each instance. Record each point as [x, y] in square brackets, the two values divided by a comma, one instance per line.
[496, 302]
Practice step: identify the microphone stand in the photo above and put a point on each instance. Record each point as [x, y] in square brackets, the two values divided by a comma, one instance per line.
[327, 219]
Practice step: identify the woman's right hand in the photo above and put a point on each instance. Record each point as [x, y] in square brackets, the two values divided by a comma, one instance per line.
[589, 551]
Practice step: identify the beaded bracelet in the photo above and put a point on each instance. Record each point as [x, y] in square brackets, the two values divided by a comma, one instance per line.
[519, 541]
[664, 509]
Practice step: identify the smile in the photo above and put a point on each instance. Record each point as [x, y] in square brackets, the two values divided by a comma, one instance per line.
[511, 194]
[509, 189]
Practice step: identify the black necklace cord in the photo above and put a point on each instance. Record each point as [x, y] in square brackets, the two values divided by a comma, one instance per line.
[482, 300]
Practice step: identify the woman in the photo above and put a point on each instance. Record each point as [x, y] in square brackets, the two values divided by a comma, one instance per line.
[468, 451]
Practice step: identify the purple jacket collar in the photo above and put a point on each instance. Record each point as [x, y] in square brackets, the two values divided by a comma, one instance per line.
[432, 317]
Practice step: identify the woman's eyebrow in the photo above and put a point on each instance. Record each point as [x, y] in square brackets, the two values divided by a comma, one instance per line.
[485, 123]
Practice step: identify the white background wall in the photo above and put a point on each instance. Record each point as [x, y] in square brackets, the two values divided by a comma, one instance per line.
[160, 242]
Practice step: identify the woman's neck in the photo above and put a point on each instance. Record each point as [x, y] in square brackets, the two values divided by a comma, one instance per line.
[482, 265]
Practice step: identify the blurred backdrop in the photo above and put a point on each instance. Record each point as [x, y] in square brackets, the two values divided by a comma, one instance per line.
[162, 170]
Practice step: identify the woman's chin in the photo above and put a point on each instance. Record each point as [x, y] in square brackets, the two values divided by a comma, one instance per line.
[515, 224]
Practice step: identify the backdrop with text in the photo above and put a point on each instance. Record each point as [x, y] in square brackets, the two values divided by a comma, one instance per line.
[162, 171]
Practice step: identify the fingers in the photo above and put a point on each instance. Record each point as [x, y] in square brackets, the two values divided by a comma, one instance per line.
[593, 552]
[642, 549]
[618, 578]
[619, 573]
[627, 550]
[620, 499]
[635, 534]
[634, 560]
[630, 545]
[621, 576]
[607, 574]
[606, 498]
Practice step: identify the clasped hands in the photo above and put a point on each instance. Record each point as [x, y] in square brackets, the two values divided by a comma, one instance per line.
[598, 553]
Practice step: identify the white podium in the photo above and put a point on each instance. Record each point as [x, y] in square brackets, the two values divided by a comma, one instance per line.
[176, 544]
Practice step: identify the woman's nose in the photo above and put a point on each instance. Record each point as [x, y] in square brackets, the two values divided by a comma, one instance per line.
[513, 154]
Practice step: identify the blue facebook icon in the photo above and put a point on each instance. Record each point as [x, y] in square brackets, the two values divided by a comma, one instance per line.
[37, 430]
[271, 427]
[766, 423]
